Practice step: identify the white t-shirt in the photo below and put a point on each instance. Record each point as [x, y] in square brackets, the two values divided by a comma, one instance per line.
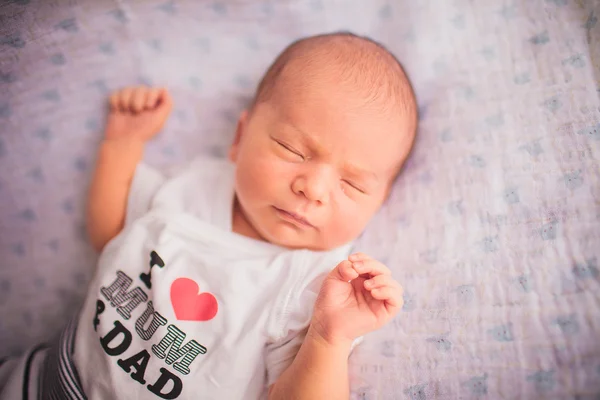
[182, 307]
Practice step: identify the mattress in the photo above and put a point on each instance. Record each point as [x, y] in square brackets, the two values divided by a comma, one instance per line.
[493, 228]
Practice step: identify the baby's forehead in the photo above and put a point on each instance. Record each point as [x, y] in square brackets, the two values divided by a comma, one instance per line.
[346, 105]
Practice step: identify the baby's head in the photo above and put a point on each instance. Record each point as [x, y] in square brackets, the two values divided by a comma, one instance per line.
[316, 154]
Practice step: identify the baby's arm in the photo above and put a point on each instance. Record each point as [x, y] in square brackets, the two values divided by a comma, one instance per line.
[136, 115]
[319, 371]
[358, 296]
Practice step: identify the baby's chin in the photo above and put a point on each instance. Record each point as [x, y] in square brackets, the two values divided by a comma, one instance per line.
[288, 237]
[291, 238]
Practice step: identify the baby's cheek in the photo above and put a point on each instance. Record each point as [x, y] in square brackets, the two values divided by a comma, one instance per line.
[345, 223]
[260, 176]
[277, 170]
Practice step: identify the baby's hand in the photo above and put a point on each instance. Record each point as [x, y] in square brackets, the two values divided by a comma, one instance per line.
[137, 113]
[358, 296]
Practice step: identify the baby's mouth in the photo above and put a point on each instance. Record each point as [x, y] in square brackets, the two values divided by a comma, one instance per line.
[293, 217]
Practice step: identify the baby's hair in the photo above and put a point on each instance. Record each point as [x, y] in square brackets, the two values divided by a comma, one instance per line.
[360, 60]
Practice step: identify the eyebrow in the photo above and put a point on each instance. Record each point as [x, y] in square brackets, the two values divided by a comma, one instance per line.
[357, 171]
[349, 167]
[312, 143]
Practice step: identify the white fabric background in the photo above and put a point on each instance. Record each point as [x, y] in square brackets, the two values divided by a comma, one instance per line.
[493, 228]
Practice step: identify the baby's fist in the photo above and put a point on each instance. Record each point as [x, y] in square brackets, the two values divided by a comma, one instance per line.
[137, 113]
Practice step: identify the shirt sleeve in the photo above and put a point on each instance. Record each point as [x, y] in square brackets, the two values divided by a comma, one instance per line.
[146, 182]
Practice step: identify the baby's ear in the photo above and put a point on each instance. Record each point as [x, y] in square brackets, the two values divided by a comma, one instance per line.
[239, 131]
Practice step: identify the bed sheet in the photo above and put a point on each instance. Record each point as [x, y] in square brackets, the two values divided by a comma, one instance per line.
[493, 227]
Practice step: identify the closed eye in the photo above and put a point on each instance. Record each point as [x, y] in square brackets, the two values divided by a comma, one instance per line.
[290, 149]
[354, 186]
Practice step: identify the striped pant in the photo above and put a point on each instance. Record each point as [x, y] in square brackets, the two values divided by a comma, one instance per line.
[44, 372]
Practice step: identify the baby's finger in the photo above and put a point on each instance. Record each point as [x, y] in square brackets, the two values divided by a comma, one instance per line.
[152, 98]
[165, 102]
[138, 100]
[379, 281]
[344, 271]
[125, 99]
[358, 256]
[370, 266]
[391, 295]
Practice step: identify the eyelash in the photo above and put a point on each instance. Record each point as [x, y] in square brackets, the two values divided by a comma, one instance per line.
[291, 150]
[354, 186]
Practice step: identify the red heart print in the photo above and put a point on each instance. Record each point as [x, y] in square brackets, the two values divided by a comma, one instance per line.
[191, 305]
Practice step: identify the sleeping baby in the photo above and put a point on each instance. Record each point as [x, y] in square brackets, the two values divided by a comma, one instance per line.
[233, 279]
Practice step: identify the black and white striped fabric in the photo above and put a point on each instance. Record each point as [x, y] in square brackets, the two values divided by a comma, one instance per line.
[20, 377]
[59, 379]
[33, 363]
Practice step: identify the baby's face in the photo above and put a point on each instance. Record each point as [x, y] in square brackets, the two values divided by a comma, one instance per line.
[313, 167]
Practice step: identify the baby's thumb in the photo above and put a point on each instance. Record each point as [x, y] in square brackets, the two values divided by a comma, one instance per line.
[344, 272]
[165, 102]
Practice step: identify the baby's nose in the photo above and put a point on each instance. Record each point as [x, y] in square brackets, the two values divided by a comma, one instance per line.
[315, 184]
